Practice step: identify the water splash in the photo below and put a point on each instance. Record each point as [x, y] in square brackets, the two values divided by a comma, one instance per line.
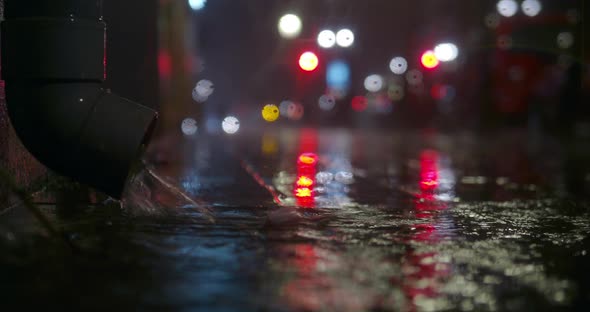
[150, 194]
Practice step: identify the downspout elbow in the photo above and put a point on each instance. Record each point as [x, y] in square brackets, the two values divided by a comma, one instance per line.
[54, 69]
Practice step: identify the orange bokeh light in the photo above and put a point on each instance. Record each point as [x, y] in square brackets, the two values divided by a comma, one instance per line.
[429, 60]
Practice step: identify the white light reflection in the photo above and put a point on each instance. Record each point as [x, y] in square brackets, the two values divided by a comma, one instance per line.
[324, 177]
[344, 177]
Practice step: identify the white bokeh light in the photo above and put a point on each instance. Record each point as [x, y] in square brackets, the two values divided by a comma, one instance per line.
[326, 39]
[398, 65]
[446, 52]
[492, 20]
[395, 92]
[373, 83]
[531, 7]
[414, 77]
[507, 8]
[565, 40]
[345, 38]
[197, 4]
[289, 26]
[230, 125]
[327, 102]
[204, 88]
[188, 126]
[284, 108]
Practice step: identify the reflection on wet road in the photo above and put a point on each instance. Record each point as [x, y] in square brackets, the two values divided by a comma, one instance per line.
[312, 220]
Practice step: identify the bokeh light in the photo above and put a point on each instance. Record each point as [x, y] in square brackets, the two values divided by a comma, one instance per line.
[531, 7]
[492, 20]
[338, 77]
[383, 104]
[308, 61]
[326, 39]
[327, 102]
[395, 92]
[373, 83]
[504, 42]
[414, 77]
[212, 124]
[573, 16]
[284, 107]
[199, 98]
[189, 126]
[429, 60]
[295, 111]
[507, 8]
[565, 40]
[230, 125]
[197, 5]
[270, 112]
[398, 65]
[345, 38]
[289, 26]
[359, 103]
[270, 144]
[203, 89]
[446, 52]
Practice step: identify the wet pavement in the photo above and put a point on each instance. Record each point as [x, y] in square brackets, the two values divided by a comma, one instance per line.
[323, 220]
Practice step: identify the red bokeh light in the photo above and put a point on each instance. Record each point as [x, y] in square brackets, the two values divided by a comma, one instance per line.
[359, 103]
[438, 91]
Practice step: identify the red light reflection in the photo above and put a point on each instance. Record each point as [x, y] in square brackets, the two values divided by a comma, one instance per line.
[306, 169]
[428, 170]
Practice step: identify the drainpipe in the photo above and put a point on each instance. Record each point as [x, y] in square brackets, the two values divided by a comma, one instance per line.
[53, 63]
